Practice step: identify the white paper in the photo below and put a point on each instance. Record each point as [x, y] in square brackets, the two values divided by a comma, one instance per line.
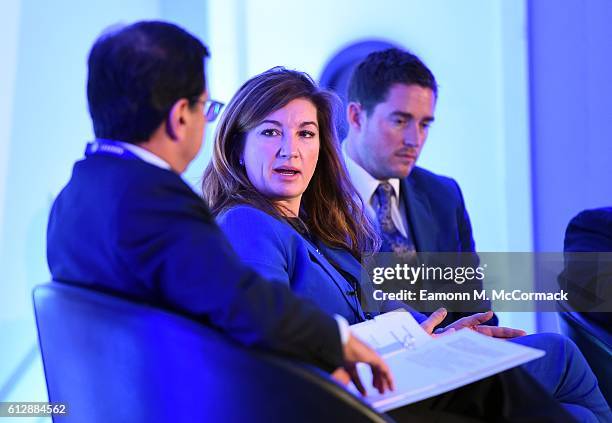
[424, 367]
[391, 332]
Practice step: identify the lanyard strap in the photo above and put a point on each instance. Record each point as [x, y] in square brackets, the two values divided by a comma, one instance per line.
[103, 147]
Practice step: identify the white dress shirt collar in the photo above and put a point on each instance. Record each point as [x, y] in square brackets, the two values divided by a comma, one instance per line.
[145, 155]
[364, 183]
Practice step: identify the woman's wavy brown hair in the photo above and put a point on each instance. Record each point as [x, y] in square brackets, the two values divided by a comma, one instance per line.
[331, 210]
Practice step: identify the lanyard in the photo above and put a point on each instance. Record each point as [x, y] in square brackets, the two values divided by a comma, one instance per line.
[103, 147]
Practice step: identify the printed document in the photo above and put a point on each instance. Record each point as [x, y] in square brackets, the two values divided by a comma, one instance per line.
[424, 366]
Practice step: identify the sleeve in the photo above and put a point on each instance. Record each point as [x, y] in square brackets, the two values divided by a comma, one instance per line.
[464, 225]
[467, 245]
[252, 234]
[169, 242]
[259, 246]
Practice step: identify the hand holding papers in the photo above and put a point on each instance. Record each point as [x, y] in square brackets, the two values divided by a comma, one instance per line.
[424, 366]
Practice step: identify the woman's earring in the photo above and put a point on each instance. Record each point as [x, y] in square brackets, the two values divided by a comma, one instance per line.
[241, 161]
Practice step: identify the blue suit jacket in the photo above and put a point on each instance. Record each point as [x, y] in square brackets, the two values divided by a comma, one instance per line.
[278, 252]
[134, 229]
[436, 213]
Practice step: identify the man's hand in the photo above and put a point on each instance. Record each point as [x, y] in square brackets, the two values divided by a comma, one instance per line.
[355, 351]
[473, 322]
[341, 376]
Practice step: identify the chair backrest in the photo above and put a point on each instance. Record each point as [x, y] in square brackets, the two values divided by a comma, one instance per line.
[113, 360]
[595, 343]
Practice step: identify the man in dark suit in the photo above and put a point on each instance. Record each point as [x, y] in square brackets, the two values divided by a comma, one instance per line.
[126, 222]
[589, 276]
[392, 97]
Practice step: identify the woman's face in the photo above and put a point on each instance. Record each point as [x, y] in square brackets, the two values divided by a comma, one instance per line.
[281, 152]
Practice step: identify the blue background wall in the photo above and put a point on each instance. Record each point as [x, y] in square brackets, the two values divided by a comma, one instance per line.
[523, 120]
[570, 68]
[570, 54]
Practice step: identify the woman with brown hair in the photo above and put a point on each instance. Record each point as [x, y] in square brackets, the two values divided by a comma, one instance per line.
[281, 193]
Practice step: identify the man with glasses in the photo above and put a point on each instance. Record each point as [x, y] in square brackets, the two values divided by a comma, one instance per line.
[127, 223]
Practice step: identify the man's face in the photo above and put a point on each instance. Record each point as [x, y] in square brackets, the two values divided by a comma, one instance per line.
[392, 136]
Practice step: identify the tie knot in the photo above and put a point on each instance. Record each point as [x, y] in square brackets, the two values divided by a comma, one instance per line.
[384, 192]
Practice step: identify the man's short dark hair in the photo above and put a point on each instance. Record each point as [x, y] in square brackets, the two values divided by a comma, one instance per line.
[374, 76]
[137, 73]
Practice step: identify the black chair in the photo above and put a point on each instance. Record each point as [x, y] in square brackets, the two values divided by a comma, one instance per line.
[113, 360]
[595, 343]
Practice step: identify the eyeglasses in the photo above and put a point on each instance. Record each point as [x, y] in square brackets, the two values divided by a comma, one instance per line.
[212, 108]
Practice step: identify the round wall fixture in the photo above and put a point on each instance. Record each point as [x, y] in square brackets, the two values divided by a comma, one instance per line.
[338, 70]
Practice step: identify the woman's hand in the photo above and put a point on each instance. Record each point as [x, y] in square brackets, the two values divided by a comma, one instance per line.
[473, 322]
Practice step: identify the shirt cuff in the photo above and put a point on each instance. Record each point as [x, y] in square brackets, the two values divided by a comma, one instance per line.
[343, 327]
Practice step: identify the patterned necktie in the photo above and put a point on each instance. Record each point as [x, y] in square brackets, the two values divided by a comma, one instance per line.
[392, 239]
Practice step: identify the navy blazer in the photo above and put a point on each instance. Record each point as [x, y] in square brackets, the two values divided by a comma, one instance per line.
[277, 251]
[131, 228]
[436, 213]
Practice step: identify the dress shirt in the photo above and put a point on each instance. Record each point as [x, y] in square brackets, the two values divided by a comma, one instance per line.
[366, 186]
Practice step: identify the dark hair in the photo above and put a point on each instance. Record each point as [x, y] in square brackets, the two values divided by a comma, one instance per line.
[329, 207]
[374, 76]
[137, 73]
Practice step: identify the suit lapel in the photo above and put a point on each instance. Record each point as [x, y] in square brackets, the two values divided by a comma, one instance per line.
[357, 271]
[352, 267]
[419, 216]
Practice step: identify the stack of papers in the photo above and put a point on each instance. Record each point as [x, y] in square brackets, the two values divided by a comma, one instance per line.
[424, 366]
